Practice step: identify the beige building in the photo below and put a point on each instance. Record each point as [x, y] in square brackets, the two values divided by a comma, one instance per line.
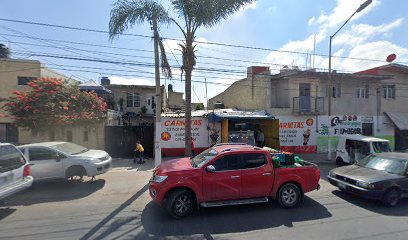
[135, 98]
[15, 75]
[175, 101]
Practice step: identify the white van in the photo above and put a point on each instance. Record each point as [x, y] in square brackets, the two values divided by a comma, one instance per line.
[352, 148]
[14, 171]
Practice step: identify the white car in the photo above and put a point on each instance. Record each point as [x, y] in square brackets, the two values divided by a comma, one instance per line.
[57, 160]
[14, 171]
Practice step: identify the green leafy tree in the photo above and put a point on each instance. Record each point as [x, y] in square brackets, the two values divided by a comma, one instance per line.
[51, 103]
[193, 14]
[199, 106]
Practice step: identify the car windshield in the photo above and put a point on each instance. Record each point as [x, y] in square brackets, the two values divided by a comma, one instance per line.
[380, 147]
[390, 165]
[203, 157]
[70, 148]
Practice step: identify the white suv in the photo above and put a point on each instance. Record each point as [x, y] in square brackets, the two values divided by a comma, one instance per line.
[14, 171]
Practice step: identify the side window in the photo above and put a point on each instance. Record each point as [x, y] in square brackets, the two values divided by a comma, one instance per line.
[10, 158]
[37, 154]
[226, 163]
[253, 160]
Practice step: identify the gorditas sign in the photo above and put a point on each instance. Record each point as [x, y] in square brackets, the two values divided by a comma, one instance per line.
[172, 136]
[297, 134]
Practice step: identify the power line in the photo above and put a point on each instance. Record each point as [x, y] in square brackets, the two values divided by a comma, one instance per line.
[209, 43]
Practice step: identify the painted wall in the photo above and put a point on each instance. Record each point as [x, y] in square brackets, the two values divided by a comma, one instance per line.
[298, 134]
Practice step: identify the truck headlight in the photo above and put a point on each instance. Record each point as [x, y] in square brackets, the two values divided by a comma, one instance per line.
[364, 184]
[158, 178]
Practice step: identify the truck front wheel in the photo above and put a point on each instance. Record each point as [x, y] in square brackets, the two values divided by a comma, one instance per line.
[289, 195]
[181, 203]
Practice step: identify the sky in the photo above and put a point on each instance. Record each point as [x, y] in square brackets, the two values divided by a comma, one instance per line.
[264, 33]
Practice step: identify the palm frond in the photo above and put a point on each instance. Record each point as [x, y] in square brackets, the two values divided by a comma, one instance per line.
[164, 63]
[4, 51]
[129, 12]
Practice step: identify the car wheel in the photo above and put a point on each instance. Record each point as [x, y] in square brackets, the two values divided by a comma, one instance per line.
[181, 203]
[391, 197]
[340, 162]
[75, 173]
[289, 195]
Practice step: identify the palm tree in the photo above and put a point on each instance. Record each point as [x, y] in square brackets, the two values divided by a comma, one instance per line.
[193, 14]
[4, 51]
[127, 13]
[196, 14]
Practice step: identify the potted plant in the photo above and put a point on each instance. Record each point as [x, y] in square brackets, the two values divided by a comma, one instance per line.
[143, 110]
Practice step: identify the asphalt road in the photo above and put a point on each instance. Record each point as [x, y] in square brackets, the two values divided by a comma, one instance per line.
[117, 206]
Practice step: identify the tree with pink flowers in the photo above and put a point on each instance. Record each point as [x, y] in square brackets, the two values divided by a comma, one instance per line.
[52, 102]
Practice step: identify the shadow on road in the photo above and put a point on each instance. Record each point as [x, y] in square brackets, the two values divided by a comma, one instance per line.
[54, 192]
[5, 212]
[233, 219]
[375, 206]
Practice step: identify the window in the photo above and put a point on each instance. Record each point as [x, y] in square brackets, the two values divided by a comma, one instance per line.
[69, 136]
[86, 136]
[336, 92]
[362, 92]
[24, 80]
[253, 160]
[37, 154]
[10, 158]
[133, 100]
[389, 91]
[226, 163]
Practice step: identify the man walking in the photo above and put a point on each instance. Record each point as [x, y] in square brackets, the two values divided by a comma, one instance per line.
[140, 151]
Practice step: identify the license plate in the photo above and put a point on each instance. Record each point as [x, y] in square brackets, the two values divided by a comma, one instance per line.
[341, 185]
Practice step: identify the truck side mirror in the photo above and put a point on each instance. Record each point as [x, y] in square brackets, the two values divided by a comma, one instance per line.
[210, 168]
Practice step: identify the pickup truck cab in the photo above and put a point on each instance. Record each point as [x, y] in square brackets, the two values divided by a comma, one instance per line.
[229, 174]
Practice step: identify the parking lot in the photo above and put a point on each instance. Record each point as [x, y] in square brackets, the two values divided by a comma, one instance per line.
[117, 206]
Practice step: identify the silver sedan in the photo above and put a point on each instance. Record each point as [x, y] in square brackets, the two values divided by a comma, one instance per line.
[56, 160]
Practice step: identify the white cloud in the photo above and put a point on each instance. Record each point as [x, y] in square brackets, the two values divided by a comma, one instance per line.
[362, 32]
[311, 21]
[131, 81]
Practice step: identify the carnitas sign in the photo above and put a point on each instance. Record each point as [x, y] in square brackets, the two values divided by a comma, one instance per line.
[297, 134]
[173, 129]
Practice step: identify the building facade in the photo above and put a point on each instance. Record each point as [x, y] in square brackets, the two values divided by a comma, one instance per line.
[299, 99]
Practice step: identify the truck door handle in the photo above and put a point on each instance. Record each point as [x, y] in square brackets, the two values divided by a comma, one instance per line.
[266, 174]
[234, 177]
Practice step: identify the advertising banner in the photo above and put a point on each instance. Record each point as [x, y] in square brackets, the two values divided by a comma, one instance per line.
[297, 134]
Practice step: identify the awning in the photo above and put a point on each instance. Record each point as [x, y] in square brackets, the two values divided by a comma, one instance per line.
[233, 114]
[399, 119]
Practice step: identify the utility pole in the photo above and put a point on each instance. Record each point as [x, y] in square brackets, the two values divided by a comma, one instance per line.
[157, 129]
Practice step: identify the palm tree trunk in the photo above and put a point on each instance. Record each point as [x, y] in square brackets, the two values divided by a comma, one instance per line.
[189, 64]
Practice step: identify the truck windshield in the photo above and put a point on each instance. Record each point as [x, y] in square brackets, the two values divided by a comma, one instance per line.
[203, 158]
[380, 147]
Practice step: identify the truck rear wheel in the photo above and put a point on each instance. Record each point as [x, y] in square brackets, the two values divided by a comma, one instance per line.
[181, 203]
[289, 195]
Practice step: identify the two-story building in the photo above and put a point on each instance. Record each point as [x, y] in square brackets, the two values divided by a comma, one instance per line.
[136, 102]
[299, 99]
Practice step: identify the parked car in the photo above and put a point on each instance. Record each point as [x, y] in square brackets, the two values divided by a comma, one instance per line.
[351, 148]
[56, 160]
[230, 174]
[382, 176]
[14, 171]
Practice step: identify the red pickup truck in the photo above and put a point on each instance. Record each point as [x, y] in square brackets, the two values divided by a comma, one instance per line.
[230, 174]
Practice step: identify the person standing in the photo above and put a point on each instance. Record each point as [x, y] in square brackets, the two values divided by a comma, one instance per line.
[192, 147]
[140, 150]
[260, 138]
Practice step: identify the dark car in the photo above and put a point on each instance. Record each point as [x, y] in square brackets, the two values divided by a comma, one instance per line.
[382, 176]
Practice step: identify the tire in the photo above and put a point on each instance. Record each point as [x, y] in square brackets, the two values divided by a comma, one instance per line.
[391, 197]
[289, 195]
[75, 173]
[339, 161]
[181, 203]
